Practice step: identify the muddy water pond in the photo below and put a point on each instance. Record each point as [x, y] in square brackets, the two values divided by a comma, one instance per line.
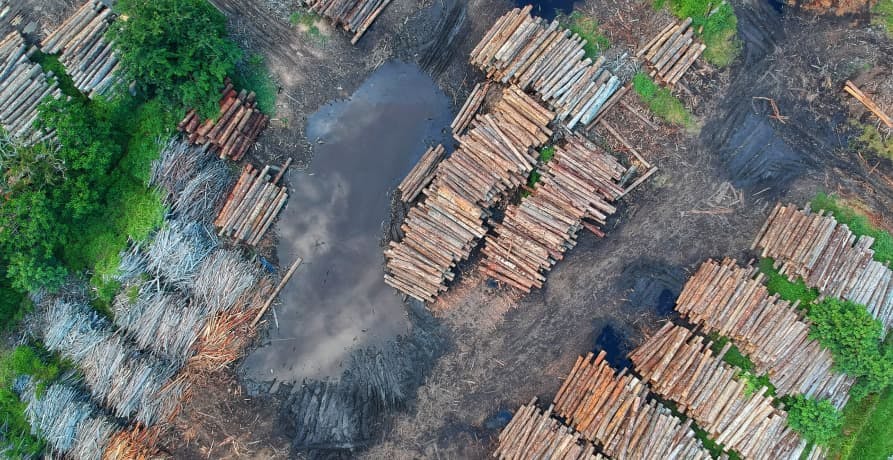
[335, 219]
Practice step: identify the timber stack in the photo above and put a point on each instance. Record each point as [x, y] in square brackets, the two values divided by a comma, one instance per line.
[724, 298]
[353, 15]
[252, 205]
[829, 257]
[549, 60]
[23, 86]
[421, 174]
[471, 108]
[533, 433]
[494, 157]
[576, 186]
[682, 368]
[613, 410]
[235, 130]
[672, 52]
[88, 58]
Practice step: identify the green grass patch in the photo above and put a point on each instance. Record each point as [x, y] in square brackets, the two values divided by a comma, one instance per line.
[254, 75]
[867, 433]
[51, 63]
[883, 15]
[662, 102]
[714, 22]
[858, 223]
[44, 368]
[546, 155]
[873, 140]
[788, 290]
[13, 304]
[306, 21]
[587, 28]
[747, 373]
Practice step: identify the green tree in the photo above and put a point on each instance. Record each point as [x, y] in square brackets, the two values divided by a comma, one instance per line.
[176, 49]
[816, 420]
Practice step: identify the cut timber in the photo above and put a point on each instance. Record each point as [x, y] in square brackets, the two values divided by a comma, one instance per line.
[354, 15]
[279, 287]
[851, 88]
[23, 86]
[421, 174]
[533, 434]
[251, 207]
[672, 52]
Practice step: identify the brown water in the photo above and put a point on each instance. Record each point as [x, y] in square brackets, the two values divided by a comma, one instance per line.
[335, 219]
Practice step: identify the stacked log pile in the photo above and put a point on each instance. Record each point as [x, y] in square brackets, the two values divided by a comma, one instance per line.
[829, 257]
[23, 86]
[681, 367]
[470, 108]
[495, 156]
[421, 174]
[727, 299]
[252, 206]
[353, 15]
[578, 184]
[670, 54]
[234, 131]
[533, 434]
[548, 60]
[613, 410]
[90, 61]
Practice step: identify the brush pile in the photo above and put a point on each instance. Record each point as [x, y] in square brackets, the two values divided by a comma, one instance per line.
[178, 250]
[88, 58]
[235, 130]
[421, 174]
[494, 157]
[353, 15]
[578, 184]
[670, 54]
[533, 434]
[548, 60]
[23, 86]
[223, 279]
[613, 411]
[682, 368]
[728, 300]
[471, 108]
[252, 205]
[828, 257]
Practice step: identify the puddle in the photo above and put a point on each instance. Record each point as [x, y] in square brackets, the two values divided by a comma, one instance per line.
[548, 9]
[617, 346]
[337, 300]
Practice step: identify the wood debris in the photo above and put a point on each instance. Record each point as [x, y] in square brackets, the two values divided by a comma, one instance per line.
[854, 91]
[23, 86]
[470, 108]
[88, 59]
[548, 60]
[681, 367]
[494, 157]
[235, 130]
[829, 257]
[670, 54]
[421, 174]
[353, 15]
[614, 410]
[576, 186]
[251, 206]
[732, 301]
[534, 434]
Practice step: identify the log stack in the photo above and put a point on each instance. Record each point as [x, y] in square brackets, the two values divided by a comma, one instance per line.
[578, 184]
[672, 52]
[494, 157]
[235, 130]
[353, 15]
[23, 86]
[470, 108]
[421, 174]
[251, 206]
[533, 434]
[829, 257]
[729, 300]
[681, 367]
[613, 410]
[548, 60]
[90, 61]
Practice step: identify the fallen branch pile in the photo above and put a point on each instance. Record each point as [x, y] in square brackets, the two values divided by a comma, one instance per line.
[236, 129]
[470, 108]
[728, 299]
[23, 86]
[422, 174]
[547, 59]
[681, 367]
[354, 15]
[672, 52]
[828, 257]
[578, 184]
[613, 410]
[252, 205]
[869, 103]
[178, 250]
[494, 157]
[89, 60]
[533, 434]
